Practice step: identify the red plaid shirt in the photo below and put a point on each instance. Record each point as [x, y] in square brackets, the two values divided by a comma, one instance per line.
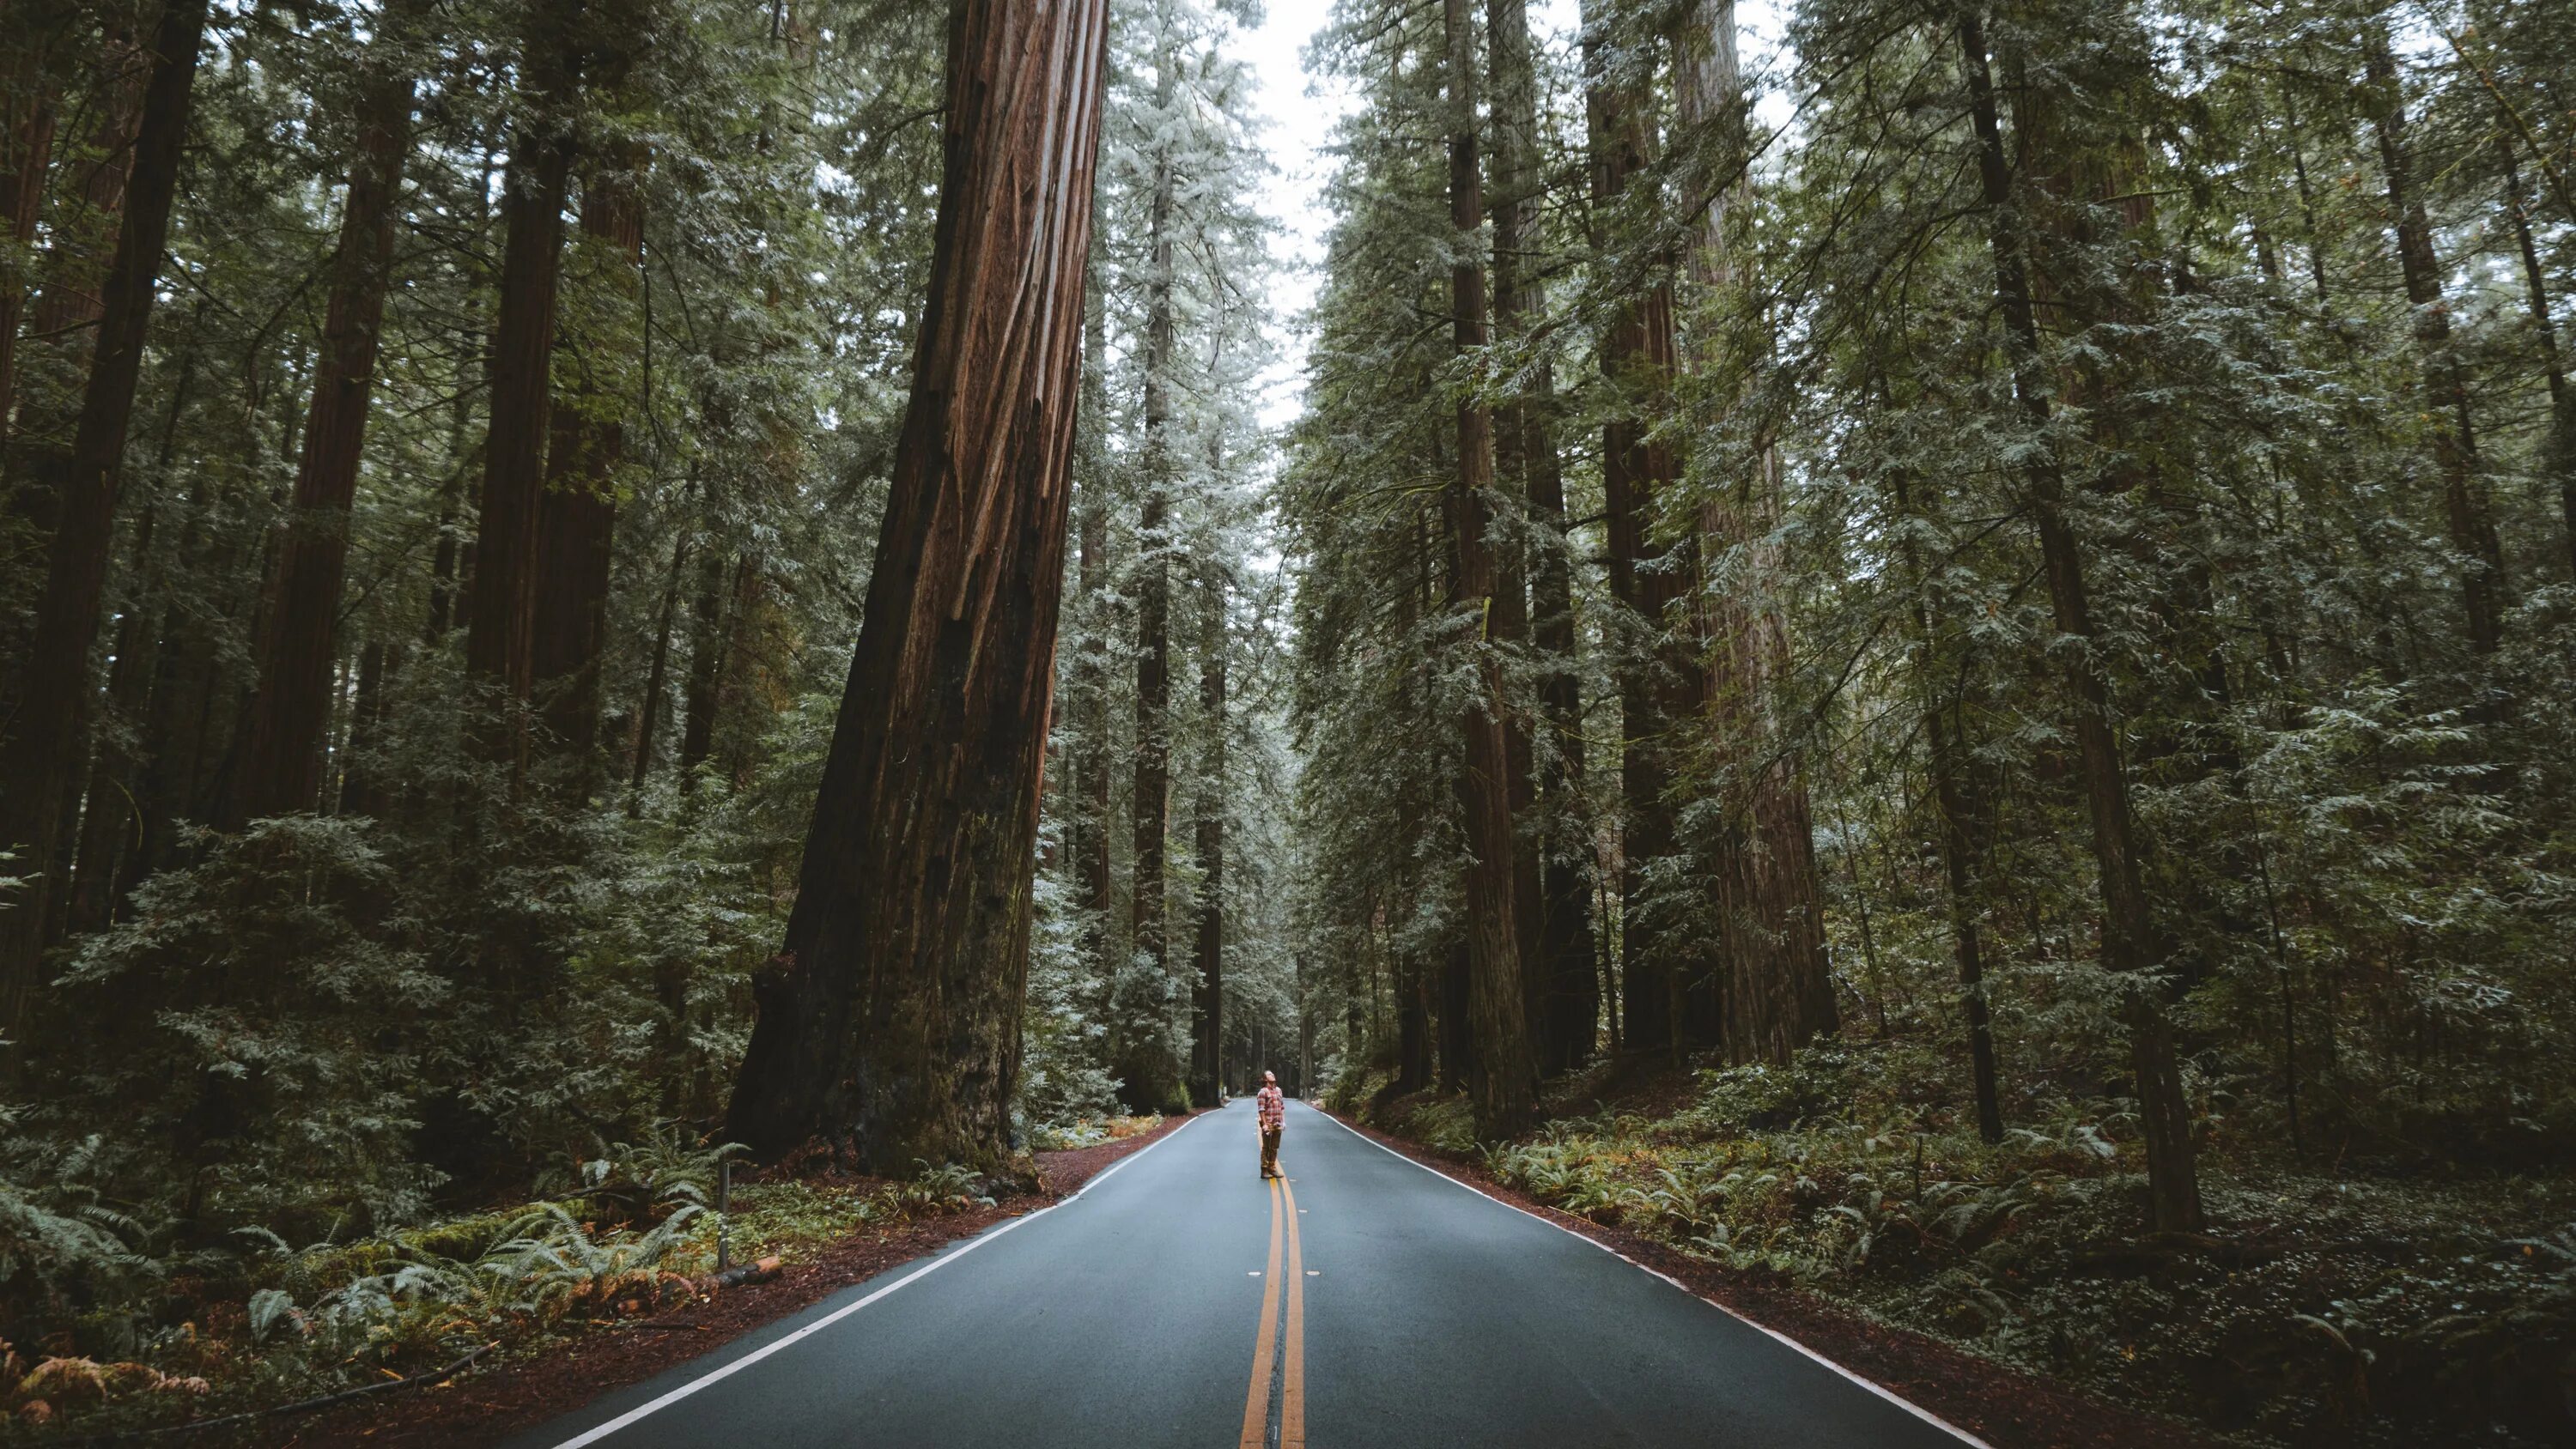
[1273, 1107]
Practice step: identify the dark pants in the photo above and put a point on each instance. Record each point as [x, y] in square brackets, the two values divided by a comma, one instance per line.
[1269, 1152]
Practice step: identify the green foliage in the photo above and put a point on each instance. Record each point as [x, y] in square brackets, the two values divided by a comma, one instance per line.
[263, 1049]
[666, 1172]
[60, 1240]
[2364, 1306]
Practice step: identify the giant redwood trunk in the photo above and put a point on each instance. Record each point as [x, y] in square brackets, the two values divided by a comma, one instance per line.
[2468, 515]
[41, 752]
[891, 1019]
[1560, 962]
[1773, 990]
[1144, 1076]
[501, 605]
[2129, 942]
[280, 769]
[1502, 1076]
[48, 384]
[577, 516]
[1525, 448]
[1656, 681]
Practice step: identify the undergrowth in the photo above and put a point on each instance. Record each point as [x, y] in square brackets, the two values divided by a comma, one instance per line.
[129, 1335]
[2317, 1310]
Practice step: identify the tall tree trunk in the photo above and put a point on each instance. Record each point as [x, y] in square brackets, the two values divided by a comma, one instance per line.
[1654, 679]
[577, 515]
[1141, 1072]
[281, 761]
[501, 604]
[1523, 449]
[1208, 1018]
[1091, 663]
[1456, 1017]
[1776, 991]
[707, 635]
[1412, 1024]
[1502, 1077]
[2467, 513]
[2558, 454]
[1963, 827]
[82, 235]
[42, 751]
[85, 225]
[29, 36]
[108, 821]
[360, 794]
[2128, 930]
[892, 1017]
[1572, 961]
[657, 680]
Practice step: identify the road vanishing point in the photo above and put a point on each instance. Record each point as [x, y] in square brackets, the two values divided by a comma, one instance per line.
[1367, 1302]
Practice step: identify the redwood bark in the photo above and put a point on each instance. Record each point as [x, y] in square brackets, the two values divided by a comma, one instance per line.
[43, 416]
[1502, 1076]
[1563, 1035]
[501, 602]
[1654, 685]
[2128, 931]
[1149, 918]
[891, 1020]
[1774, 992]
[577, 516]
[280, 770]
[2468, 515]
[41, 753]
[1523, 448]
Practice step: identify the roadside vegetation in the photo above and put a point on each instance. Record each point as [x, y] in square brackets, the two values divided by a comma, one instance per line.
[120, 1330]
[2429, 1305]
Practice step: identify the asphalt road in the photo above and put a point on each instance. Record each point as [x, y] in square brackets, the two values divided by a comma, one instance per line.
[1179, 1300]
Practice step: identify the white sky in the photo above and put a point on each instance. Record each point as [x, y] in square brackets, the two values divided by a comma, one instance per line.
[1300, 111]
[1297, 126]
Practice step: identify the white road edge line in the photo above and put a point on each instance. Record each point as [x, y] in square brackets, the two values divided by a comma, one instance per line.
[1884, 1392]
[818, 1325]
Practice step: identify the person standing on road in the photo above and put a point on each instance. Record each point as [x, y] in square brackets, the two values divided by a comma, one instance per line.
[1270, 1110]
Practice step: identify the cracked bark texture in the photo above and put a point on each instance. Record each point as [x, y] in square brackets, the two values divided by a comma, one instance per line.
[890, 1022]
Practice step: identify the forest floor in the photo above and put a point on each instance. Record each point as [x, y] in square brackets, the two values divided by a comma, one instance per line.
[829, 1229]
[2012, 1290]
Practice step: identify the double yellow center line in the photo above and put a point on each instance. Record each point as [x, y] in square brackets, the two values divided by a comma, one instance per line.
[1267, 1350]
